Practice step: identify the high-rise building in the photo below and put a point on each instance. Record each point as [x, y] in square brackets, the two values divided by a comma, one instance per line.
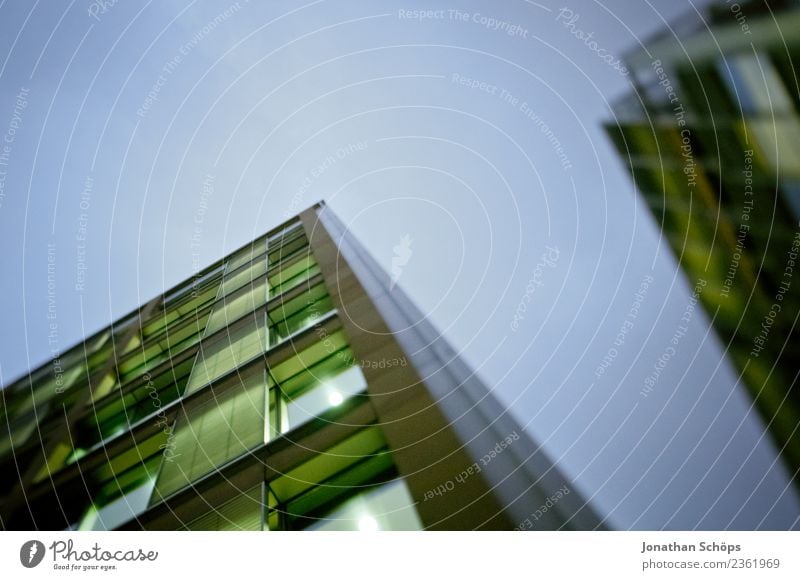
[711, 136]
[290, 385]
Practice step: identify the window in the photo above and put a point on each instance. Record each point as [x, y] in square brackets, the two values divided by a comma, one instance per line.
[38, 390]
[189, 301]
[776, 139]
[243, 276]
[232, 307]
[285, 247]
[246, 254]
[199, 286]
[15, 432]
[313, 381]
[226, 352]
[385, 507]
[293, 274]
[326, 393]
[288, 231]
[313, 493]
[243, 512]
[299, 312]
[122, 487]
[162, 347]
[223, 425]
[124, 408]
[790, 190]
[754, 81]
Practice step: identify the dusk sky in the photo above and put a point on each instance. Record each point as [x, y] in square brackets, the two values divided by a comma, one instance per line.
[147, 140]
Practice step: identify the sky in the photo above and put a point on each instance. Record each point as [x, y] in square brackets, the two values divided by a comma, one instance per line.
[148, 139]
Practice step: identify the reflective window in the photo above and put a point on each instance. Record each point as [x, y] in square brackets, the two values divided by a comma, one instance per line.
[753, 79]
[298, 313]
[243, 512]
[243, 277]
[14, 433]
[312, 381]
[232, 307]
[122, 487]
[164, 346]
[225, 424]
[118, 412]
[300, 270]
[386, 507]
[229, 350]
[775, 139]
[352, 486]
[285, 247]
[246, 254]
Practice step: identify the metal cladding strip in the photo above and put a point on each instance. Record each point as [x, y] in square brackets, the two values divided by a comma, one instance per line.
[523, 477]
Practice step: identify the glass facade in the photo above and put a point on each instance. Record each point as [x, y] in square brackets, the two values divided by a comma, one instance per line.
[240, 362]
[712, 147]
[246, 399]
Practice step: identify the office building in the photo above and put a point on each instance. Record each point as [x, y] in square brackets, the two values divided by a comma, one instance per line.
[288, 386]
[711, 136]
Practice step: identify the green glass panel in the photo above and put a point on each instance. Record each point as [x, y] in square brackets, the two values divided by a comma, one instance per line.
[233, 307]
[286, 247]
[17, 432]
[326, 392]
[243, 277]
[319, 500]
[246, 254]
[119, 411]
[123, 495]
[387, 507]
[242, 513]
[216, 430]
[293, 274]
[228, 351]
[299, 312]
[133, 456]
[167, 345]
[343, 455]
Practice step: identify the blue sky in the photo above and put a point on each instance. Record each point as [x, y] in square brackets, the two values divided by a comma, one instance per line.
[479, 137]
